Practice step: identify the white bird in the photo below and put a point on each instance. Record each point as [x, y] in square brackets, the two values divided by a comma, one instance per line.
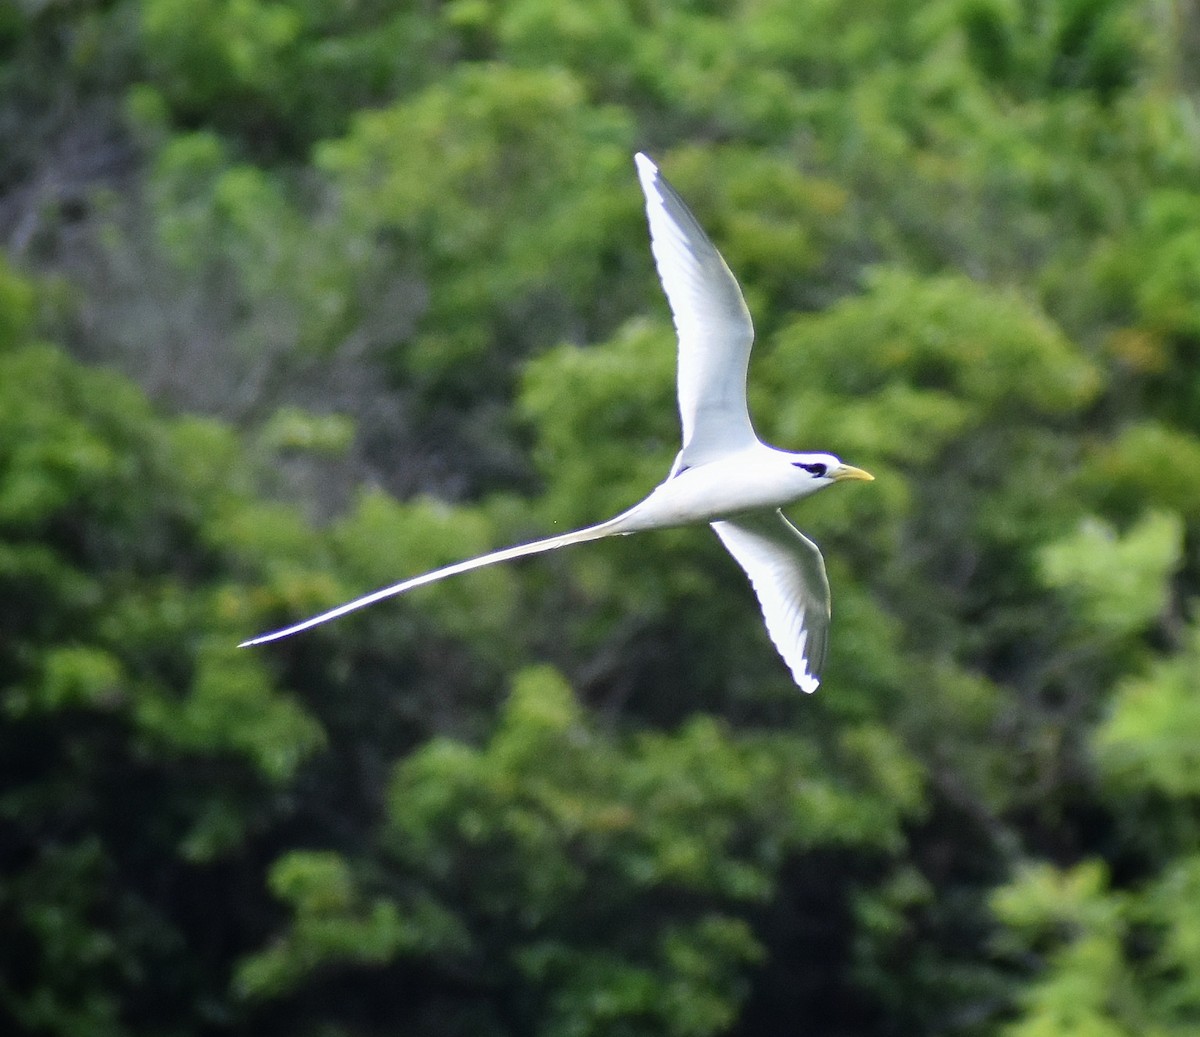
[724, 475]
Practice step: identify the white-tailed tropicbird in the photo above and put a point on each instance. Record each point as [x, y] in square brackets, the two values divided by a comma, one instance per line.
[724, 475]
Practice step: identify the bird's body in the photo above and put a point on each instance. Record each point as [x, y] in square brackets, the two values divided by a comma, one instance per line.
[755, 478]
[724, 475]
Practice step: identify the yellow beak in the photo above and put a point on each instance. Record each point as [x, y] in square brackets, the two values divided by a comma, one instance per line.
[847, 471]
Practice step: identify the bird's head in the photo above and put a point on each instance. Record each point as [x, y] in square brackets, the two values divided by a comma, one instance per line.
[825, 469]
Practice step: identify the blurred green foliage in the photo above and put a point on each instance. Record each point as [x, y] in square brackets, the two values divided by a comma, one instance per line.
[301, 296]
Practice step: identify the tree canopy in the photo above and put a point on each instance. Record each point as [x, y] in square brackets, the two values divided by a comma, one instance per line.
[299, 297]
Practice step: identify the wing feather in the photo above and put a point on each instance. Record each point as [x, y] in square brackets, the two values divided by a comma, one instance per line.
[788, 575]
[712, 322]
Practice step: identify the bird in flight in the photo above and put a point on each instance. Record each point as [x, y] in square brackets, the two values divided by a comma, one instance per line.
[724, 475]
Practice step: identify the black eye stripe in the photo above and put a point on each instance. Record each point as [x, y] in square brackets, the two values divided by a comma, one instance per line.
[816, 468]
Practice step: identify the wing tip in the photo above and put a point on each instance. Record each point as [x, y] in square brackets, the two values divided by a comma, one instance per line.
[807, 682]
[647, 171]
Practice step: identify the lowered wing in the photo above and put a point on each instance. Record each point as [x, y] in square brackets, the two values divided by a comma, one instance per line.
[788, 575]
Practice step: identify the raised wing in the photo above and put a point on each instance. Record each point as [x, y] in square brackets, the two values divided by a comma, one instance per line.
[788, 575]
[711, 319]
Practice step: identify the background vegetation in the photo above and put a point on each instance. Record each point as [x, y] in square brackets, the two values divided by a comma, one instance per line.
[298, 297]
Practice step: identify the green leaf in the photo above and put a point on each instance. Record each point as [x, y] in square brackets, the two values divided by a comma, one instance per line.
[1119, 583]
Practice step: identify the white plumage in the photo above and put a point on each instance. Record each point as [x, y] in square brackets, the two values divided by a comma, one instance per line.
[724, 474]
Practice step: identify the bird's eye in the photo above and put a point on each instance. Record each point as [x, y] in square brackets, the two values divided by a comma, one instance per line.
[816, 468]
